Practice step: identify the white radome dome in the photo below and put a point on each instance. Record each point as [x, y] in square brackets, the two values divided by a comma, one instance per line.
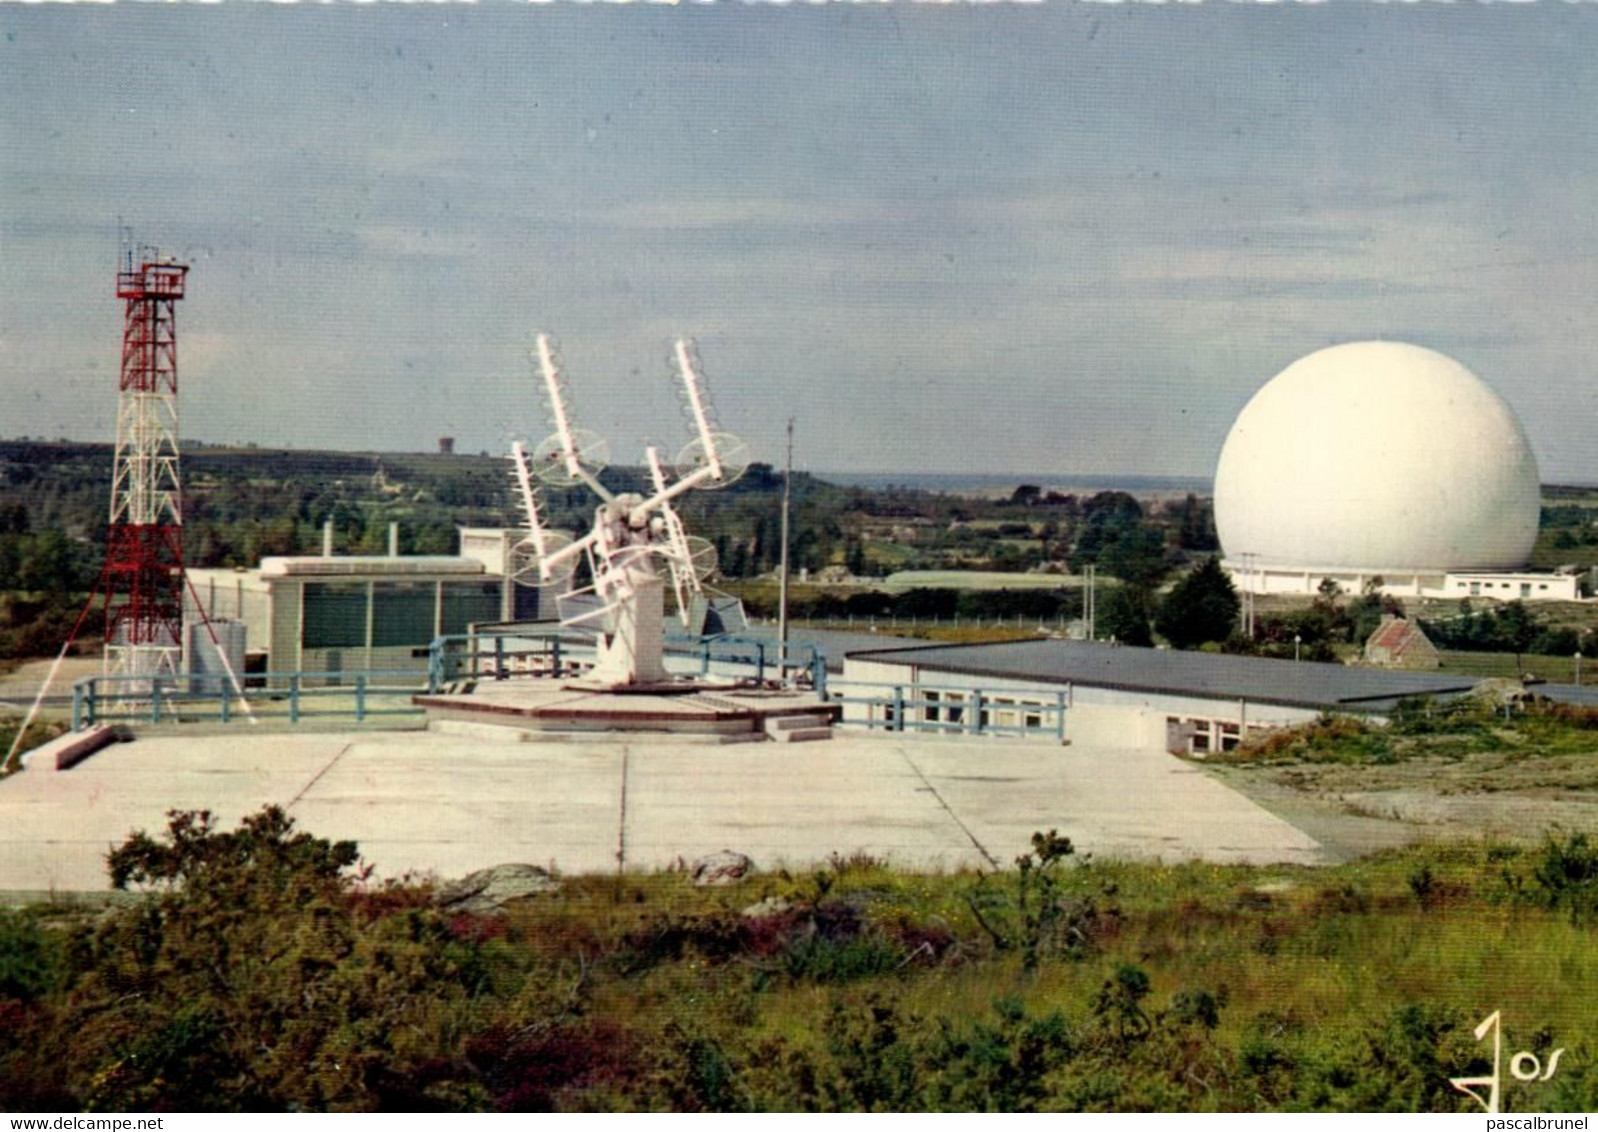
[1377, 456]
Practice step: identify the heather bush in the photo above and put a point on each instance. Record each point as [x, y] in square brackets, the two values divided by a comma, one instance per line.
[261, 968]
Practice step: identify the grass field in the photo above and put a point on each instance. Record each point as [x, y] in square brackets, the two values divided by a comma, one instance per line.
[966, 632]
[983, 580]
[1502, 665]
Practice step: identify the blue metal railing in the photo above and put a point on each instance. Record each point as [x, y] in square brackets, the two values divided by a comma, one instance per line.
[509, 654]
[760, 654]
[909, 707]
[362, 694]
[291, 696]
[503, 655]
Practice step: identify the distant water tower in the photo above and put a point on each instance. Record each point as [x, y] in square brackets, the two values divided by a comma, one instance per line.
[446, 446]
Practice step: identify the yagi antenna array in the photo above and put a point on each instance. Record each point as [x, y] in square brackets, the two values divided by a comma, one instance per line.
[544, 555]
[692, 560]
[570, 455]
[723, 455]
[630, 531]
[695, 395]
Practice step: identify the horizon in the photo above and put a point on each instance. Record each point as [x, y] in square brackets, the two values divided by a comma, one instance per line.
[874, 480]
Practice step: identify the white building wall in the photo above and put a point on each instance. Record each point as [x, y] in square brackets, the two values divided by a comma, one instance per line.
[1513, 587]
[1502, 585]
[1095, 716]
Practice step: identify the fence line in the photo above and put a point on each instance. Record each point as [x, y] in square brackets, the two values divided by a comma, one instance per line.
[298, 696]
[932, 707]
[363, 694]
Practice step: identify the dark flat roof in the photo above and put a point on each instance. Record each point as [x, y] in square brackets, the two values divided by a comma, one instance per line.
[1580, 695]
[835, 644]
[1121, 667]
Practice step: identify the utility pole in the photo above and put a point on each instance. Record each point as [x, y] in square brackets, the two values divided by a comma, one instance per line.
[1091, 612]
[782, 582]
[1247, 608]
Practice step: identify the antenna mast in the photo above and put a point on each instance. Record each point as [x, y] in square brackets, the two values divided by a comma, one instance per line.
[143, 579]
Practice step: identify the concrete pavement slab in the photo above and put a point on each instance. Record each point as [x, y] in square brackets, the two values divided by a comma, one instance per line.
[447, 804]
[1112, 802]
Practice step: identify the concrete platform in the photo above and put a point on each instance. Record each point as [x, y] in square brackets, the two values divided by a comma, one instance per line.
[420, 802]
[549, 706]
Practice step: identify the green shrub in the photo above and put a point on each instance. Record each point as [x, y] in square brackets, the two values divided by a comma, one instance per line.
[997, 1067]
[1118, 1005]
[1568, 876]
[33, 959]
[876, 1069]
[819, 960]
[1403, 1064]
[251, 979]
[1041, 918]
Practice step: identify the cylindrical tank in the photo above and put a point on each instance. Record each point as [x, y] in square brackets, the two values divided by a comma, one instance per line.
[207, 674]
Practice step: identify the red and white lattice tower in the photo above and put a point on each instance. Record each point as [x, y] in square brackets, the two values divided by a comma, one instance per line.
[143, 578]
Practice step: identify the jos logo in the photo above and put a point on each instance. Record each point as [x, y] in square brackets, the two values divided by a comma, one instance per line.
[1523, 1066]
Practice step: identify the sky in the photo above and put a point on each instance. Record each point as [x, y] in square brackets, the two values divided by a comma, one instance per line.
[1063, 238]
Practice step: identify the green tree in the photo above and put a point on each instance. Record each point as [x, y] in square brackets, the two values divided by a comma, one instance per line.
[1201, 607]
[1365, 625]
[1137, 556]
[1517, 628]
[1195, 525]
[923, 602]
[1112, 508]
[1105, 518]
[1125, 617]
[47, 562]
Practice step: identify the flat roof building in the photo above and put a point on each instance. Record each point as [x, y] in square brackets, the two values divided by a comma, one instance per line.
[1116, 695]
[332, 614]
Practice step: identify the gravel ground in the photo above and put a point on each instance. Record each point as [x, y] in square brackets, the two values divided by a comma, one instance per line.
[1354, 810]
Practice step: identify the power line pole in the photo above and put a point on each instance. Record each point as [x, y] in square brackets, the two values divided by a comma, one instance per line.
[1248, 595]
[782, 583]
[1092, 607]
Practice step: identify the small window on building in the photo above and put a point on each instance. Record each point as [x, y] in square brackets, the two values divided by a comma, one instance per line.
[1231, 736]
[933, 712]
[1542, 585]
[1475, 587]
[1201, 735]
